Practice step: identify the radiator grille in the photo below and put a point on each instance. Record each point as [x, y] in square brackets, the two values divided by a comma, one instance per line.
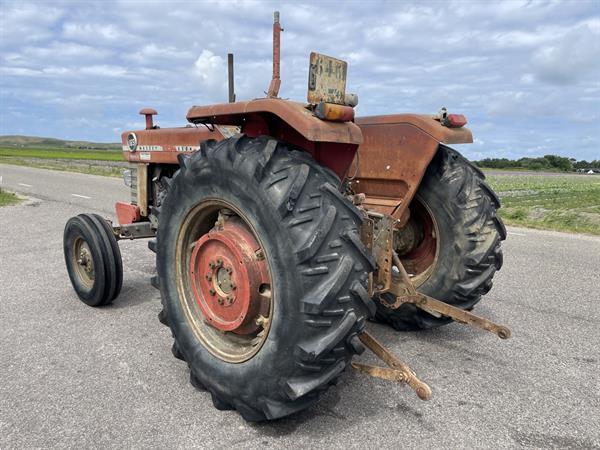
[134, 184]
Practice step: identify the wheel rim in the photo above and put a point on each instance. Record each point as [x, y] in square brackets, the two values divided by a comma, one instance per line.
[420, 246]
[223, 281]
[82, 261]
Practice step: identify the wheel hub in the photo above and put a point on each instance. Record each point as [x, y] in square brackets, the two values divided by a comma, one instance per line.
[85, 260]
[417, 243]
[228, 275]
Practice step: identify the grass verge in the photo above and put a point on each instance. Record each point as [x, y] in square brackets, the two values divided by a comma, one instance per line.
[61, 153]
[66, 166]
[559, 202]
[8, 198]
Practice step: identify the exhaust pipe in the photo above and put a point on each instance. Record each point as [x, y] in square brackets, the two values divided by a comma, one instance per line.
[275, 81]
[230, 77]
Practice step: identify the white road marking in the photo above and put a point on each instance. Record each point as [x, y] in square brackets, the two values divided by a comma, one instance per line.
[26, 185]
[516, 234]
[81, 196]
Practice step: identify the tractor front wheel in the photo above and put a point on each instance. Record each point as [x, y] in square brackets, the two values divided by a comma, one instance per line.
[93, 259]
[262, 275]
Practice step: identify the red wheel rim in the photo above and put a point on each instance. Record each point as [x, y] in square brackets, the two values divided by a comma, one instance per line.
[227, 276]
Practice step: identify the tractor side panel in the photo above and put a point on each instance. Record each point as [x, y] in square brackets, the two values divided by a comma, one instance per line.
[163, 145]
[394, 156]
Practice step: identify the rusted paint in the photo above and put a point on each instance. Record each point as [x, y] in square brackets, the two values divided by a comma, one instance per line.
[403, 373]
[226, 277]
[326, 79]
[424, 123]
[148, 112]
[127, 213]
[332, 144]
[382, 247]
[297, 115]
[405, 292]
[393, 157]
[276, 80]
[136, 230]
[163, 145]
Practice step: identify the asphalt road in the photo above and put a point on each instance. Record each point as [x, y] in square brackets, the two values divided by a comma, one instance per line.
[74, 376]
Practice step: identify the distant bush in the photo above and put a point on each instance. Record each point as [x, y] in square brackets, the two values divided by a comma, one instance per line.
[547, 162]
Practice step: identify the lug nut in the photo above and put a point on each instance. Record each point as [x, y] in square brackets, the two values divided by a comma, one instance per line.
[229, 270]
[211, 265]
[219, 262]
[208, 277]
[220, 301]
[212, 291]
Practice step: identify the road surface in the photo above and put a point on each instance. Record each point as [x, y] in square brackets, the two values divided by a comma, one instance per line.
[76, 376]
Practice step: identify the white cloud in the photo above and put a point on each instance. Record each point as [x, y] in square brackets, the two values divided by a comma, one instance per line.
[210, 68]
[572, 57]
[95, 32]
[497, 62]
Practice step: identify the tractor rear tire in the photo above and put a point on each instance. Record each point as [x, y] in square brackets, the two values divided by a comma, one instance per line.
[469, 234]
[318, 269]
[93, 259]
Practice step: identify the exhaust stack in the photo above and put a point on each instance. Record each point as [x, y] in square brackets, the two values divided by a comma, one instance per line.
[230, 77]
[275, 81]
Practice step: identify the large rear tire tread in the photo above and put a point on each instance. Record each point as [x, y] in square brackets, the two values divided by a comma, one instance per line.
[470, 234]
[314, 233]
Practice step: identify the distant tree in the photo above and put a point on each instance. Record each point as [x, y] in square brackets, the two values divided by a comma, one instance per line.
[583, 164]
[547, 162]
[559, 162]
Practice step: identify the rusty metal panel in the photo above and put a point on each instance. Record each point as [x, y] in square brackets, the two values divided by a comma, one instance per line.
[295, 114]
[382, 249]
[326, 79]
[163, 145]
[390, 164]
[424, 123]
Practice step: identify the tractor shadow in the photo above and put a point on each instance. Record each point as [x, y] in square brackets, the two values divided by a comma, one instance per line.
[358, 397]
[306, 421]
[136, 292]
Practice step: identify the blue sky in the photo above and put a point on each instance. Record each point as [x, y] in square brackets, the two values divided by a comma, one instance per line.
[525, 73]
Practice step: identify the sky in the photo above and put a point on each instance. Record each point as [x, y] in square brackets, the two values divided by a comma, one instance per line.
[526, 74]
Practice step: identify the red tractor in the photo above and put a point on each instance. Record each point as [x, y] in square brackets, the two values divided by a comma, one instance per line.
[281, 227]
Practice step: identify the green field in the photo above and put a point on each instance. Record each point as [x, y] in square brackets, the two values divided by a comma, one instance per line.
[61, 153]
[548, 201]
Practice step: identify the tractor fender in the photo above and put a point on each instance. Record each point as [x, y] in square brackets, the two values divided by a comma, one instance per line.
[394, 155]
[275, 112]
[332, 144]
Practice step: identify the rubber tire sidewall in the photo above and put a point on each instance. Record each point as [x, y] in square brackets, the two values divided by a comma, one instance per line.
[244, 380]
[77, 228]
